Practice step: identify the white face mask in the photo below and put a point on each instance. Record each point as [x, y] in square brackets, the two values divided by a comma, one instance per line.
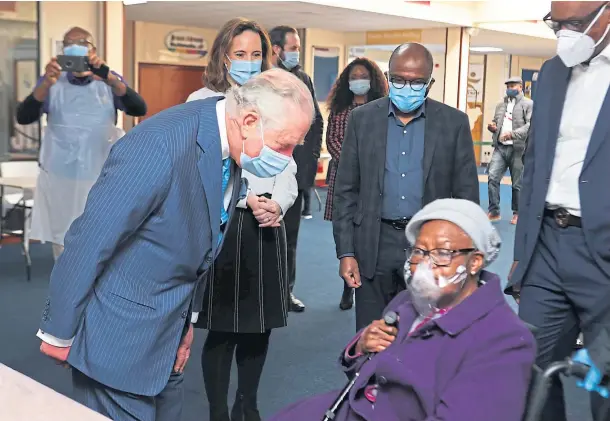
[426, 290]
[574, 48]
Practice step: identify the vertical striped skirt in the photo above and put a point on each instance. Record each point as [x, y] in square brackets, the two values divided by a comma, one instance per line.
[247, 291]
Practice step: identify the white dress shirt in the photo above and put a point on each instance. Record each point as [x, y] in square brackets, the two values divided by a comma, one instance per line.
[586, 92]
[224, 142]
[507, 124]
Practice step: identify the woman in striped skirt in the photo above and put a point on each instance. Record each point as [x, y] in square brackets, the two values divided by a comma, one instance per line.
[246, 295]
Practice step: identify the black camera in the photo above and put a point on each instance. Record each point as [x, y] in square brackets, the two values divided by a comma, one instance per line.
[74, 64]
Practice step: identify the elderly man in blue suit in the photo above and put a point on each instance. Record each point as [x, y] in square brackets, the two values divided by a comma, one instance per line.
[562, 242]
[120, 295]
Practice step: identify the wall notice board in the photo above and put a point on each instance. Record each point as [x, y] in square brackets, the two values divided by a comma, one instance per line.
[325, 70]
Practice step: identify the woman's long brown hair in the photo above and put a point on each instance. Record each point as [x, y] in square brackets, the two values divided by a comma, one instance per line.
[215, 77]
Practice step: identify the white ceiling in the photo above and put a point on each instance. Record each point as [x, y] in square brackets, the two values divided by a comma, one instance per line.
[213, 14]
[522, 45]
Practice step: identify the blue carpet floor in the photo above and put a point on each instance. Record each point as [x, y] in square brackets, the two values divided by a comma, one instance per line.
[301, 358]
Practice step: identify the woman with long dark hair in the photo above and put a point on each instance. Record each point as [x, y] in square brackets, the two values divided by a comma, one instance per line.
[360, 82]
[246, 292]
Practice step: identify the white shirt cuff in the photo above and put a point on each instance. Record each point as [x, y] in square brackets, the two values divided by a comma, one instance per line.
[52, 340]
[194, 317]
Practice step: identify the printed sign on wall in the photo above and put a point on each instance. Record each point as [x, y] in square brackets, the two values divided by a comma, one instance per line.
[186, 44]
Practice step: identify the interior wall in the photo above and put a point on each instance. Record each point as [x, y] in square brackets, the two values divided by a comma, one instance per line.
[129, 72]
[518, 63]
[149, 45]
[57, 17]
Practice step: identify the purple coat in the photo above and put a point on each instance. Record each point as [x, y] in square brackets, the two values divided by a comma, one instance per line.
[472, 364]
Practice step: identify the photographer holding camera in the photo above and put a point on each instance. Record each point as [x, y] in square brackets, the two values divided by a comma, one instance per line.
[81, 97]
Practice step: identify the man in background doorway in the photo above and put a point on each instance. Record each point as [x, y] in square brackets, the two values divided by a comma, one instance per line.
[81, 113]
[286, 55]
[510, 128]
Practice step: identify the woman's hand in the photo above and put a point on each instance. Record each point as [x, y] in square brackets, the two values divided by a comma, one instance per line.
[268, 212]
[376, 337]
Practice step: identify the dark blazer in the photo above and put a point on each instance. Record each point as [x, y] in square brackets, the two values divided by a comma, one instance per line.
[449, 165]
[306, 155]
[539, 156]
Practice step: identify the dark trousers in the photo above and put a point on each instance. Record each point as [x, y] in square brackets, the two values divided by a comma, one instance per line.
[503, 158]
[292, 221]
[250, 350]
[375, 294]
[307, 202]
[561, 295]
[122, 406]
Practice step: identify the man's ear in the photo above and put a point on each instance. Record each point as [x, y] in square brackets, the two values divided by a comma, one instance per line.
[250, 122]
[276, 50]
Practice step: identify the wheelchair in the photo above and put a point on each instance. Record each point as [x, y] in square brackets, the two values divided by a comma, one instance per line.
[539, 386]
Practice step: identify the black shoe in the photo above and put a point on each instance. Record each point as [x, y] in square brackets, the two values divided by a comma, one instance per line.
[296, 305]
[306, 215]
[245, 409]
[347, 299]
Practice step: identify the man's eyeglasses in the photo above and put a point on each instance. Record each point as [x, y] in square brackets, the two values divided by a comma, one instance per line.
[578, 25]
[82, 42]
[416, 85]
[440, 257]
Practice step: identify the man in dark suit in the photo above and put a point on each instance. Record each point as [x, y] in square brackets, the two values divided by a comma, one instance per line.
[286, 55]
[399, 154]
[562, 240]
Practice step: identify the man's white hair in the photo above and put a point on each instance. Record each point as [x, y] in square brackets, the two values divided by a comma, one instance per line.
[276, 95]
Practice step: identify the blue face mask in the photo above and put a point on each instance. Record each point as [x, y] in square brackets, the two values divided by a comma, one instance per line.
[243, 70]
[360, 86]
[406, 99]
[76, 50]
[512, 92]
[291, 59]
[268, 163]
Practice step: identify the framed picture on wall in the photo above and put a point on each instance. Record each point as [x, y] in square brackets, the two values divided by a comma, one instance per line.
[325, 70]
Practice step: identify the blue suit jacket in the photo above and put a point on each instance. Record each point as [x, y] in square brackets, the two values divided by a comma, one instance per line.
[539, 156]
[123, 286]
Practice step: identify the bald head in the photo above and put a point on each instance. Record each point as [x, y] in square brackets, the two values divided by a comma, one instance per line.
[78, 35]
[413, 56]
[578, 15]
[568, 10]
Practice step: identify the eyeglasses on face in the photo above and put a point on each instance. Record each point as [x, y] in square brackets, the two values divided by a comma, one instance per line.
[440, 256]
[81, 42]
[577, 24]
[399, 83]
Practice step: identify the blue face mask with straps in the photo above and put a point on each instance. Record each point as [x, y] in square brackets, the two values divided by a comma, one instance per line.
[291, 59]
[76, 50]
[268, 163]
[407, 99]
[243, 70]
[360, 86]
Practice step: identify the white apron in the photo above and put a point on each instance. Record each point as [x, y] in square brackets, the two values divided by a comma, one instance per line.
[75, 144]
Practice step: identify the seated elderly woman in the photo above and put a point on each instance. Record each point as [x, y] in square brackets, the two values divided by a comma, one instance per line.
[458, 351]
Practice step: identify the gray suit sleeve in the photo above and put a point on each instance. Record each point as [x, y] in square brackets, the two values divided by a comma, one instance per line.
[347, 188]
[521, 132]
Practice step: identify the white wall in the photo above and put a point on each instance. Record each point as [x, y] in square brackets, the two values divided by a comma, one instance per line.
[57, 17]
